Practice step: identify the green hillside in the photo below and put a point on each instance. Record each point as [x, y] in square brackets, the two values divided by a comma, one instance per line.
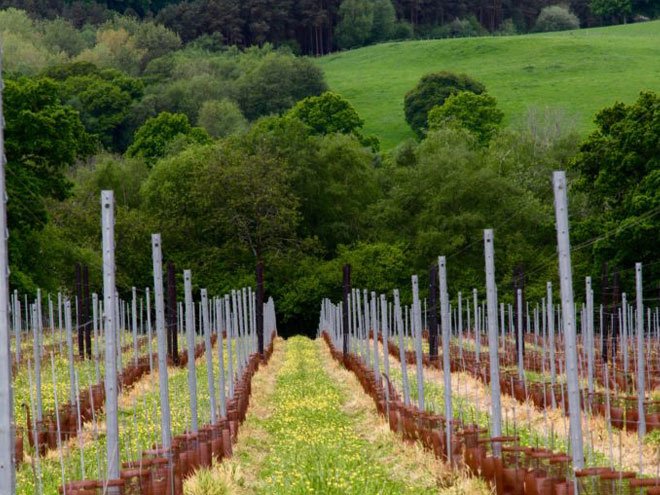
[579, 71]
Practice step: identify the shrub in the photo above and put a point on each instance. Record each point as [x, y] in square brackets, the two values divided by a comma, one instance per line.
[402, 31]
[556, 18]
[461, 28]
[507, 28]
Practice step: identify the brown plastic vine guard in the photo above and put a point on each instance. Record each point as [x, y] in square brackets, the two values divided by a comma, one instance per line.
[68, 413]
[518, 471]
[622, 413]
[160, 471]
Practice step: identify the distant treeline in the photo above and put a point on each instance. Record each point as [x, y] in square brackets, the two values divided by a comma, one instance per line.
[243, 155]
[322, 26]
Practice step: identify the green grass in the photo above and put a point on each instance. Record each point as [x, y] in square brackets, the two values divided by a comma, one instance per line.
[139, 429]
[577, 71]
[314, 447]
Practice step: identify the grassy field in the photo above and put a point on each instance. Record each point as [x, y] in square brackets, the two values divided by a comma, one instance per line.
[577, 71]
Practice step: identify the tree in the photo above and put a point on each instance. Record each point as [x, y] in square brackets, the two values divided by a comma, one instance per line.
[384, 22]
[619, 170]
[618, 9]
[276, 83]
[221, 118]
[116, 49]
[153, 139]
[331, 113]
[104, 98]
[556, 18]
[380, 266]
[60, 35]
[327, 113]
[227, 196]
[347, 182]
[356, 18]
[432, 90]
[476, 113]
[156, 40]
[43, 138]
[249, 191]
[442, 203]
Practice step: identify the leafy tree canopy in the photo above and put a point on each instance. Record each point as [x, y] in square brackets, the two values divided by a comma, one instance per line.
[154, 138]
[43, 137]
[221, 118]
[476, 113]
[432, 90]
[103, 97]
[355, 24]
[224, 195]
[611, 8]
[277, 83]
[618, 168]
[327, 113]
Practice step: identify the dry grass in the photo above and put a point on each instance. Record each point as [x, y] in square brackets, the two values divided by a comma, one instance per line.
[406, 462]
[594, 427]
[222, 479]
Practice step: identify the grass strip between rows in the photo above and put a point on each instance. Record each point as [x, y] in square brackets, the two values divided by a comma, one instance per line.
[311, 429]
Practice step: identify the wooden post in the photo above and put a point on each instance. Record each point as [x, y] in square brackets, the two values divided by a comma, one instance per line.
[69, 340]
[171, 315]
[641, 429]
[347, 290]
[7, 431]
[221, 358]
[417, 326]
[161, 338]
[402, 356]
[206, 323]
[80, 330]
[590, 336]
[604, 289]
[614, 310]
[86, 302]
[134, 324]
[433, 313]
[260, 308]
[551, 341]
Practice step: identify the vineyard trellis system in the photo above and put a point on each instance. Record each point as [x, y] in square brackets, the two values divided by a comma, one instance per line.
[115, 369]
[228, 323]
[613, 373]
[100, 421]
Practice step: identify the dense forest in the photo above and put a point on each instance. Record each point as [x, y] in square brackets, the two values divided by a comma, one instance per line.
[244, 155]
[322, 26]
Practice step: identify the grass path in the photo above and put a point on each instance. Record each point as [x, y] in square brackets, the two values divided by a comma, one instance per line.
[311, 429]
